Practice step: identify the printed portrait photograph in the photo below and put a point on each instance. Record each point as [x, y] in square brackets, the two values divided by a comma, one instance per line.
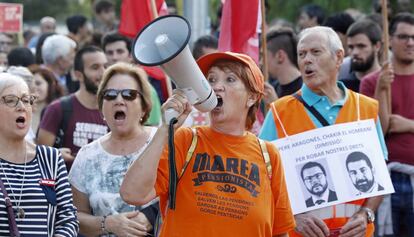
[316, 182]
[361, 173]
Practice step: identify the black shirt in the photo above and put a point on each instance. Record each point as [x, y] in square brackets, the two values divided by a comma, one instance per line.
[288, 89]
[351, 82]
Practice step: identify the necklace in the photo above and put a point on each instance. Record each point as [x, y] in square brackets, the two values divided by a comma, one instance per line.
[20, 211]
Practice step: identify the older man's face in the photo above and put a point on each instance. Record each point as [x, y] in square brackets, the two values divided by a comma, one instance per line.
[47, 27]
[318, 65]
[66, 61]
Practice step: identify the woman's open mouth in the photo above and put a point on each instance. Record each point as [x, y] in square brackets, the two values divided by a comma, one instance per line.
[119, 116]
[21, 121]
[219, 102]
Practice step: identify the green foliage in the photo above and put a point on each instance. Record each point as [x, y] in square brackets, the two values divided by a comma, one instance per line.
[34, 10]
[214, 5]
[75, 7]
[290, 9]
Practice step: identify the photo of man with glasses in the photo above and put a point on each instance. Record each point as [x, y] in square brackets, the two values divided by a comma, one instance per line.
[315, 179]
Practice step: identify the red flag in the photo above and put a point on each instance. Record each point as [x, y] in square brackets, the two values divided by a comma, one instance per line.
[240, 24]
[135, 14]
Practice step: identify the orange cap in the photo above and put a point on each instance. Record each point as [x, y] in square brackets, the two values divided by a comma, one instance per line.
[208, 60]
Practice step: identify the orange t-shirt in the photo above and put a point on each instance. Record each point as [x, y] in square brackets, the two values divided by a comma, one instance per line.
[225, 190]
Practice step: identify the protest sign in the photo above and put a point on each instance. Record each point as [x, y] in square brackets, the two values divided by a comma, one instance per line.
[334, 164]
[11, 17]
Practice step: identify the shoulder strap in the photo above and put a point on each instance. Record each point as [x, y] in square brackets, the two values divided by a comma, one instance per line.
[66, 105]
[266, 157]
[190, 151]
[313, 111]
[14, 232]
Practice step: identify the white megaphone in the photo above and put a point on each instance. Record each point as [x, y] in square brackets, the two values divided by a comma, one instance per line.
[164, 42]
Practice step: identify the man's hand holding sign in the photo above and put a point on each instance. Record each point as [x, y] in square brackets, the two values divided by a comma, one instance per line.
[321, 125]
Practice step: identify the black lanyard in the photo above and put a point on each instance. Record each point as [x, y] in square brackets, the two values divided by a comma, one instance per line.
[313, 111]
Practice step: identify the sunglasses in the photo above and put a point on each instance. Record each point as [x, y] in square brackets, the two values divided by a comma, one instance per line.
[127, 94]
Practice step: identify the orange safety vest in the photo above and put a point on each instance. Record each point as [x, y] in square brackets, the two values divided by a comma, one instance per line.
[295, 119]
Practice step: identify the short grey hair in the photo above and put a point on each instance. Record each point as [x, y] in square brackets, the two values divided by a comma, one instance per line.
[334, 43]
[23, 73]
[56, 46]
[8, 79]
[47, 19]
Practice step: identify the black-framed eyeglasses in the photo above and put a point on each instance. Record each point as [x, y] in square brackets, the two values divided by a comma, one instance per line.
[317, 176]
[404, 37]
[127, 94]
[13, 100]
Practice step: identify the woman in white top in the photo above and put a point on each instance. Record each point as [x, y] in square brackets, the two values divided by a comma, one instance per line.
[99, 168]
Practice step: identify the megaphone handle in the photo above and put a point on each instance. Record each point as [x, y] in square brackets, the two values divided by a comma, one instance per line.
[169, 114]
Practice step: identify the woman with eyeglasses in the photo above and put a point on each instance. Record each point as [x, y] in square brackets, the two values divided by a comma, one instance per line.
[124, 98]
[229, 182]
[35, 197]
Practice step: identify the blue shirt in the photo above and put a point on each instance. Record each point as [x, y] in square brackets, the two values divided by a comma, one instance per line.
[325, 108]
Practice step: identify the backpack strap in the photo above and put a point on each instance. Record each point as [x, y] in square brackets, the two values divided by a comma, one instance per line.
[312, 110]
[48, 165]
[190, 151]
[66, 105]
[266, 157]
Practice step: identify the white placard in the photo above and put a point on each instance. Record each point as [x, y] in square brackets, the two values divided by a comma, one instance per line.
[342, 150]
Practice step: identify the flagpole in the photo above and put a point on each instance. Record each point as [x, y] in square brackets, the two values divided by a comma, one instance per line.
[385, 38]
[154, 9]
[155, 15]
[264, 43]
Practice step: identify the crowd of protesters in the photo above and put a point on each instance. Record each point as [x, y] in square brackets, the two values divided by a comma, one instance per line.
[79, 115]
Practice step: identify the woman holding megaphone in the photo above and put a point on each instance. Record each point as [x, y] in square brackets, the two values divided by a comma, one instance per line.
[229, 182]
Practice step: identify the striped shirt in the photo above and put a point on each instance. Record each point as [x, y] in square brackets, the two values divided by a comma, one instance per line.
[19, 182]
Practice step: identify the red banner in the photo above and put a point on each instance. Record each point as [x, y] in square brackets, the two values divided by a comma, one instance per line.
[11, 17]
[240, 23]
[135, 14]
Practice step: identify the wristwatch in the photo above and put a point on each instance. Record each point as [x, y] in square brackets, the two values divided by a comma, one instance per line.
[370, 214]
